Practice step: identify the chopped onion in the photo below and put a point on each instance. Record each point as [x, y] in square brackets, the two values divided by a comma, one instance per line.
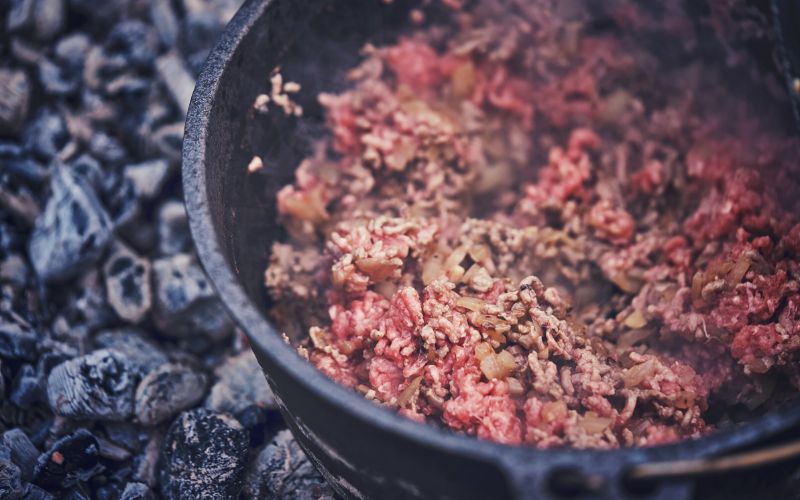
[698, 282]
[472, 271]
[593, 423]
[455, 258]
[553, 411]
[433, 268]
[684, 400]
[482, 350]
[455, 274]
[318, 337]
[631, 338]
[496, 335]
[409, 391]
[479, 253]
[739, 269]
[627, 283]
[515, 388]
[377, 269]
[635, 320]
[491, 368]
[463, 80]
[507, 361]
[637, 374]
[470, 303]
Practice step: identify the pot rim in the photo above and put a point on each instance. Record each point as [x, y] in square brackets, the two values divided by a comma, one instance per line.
[267, 340]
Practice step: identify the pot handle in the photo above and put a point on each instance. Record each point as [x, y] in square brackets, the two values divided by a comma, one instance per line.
[655, 480]
[690, 469]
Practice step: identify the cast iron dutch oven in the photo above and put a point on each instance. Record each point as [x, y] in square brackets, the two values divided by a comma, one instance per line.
[363, 450]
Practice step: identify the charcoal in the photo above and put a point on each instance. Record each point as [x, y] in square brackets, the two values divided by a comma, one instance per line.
[203, 456]
[282, 470]
[17, 341]
[27, 389]
[18, 164]
[57, 80]
[199, 30]
[23, 453]
[147, 462]
[20, 15]
[163, 18]
[127, 279]
[185, 301]
[46, 134]
[72, 49]
[167, 141]
[240, 384]
[116, 192]
[76, 493]
[25, 52]
[49, 18]
[177, 79]
[72, 232]
[10, 239]
[14, 270]
[168, 390]
[10, 479]
[173, 229]
[127, 86]
[87, 307]
[122, 201]
[134, 41]
[148, 177]
[126, 434]
[15, 92]
[33, 492]
[71, 459]
[112, 451]
[107, 149]
[96, 386]
[89, 169]
[136, 491]
[141, 355]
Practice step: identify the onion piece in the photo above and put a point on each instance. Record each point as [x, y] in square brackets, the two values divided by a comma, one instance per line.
[479, 253]
[376, 269]
[470, 303]
[637, 374]
[433, 268]
[455, 258]
[515, 387]
[463, 80]
[626, 283]
[507, 361]
[407, 393]
[631, 338]
[491, 368]
[482, 350]
[593, 423]
[684, 400]
[635, 320]
[553, 411]
[739, 269]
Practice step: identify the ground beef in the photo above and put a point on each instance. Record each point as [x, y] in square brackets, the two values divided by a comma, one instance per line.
[516, 232]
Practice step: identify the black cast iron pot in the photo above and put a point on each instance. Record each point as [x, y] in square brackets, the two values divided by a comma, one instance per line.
[363, 450]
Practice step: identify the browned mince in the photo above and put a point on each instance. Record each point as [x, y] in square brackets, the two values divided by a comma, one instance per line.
[536, 231]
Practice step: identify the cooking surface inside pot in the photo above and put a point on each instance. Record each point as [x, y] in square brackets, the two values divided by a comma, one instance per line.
[316, 52]
[631, 149]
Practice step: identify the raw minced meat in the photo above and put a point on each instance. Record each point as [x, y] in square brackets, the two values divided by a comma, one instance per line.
[517, 230]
